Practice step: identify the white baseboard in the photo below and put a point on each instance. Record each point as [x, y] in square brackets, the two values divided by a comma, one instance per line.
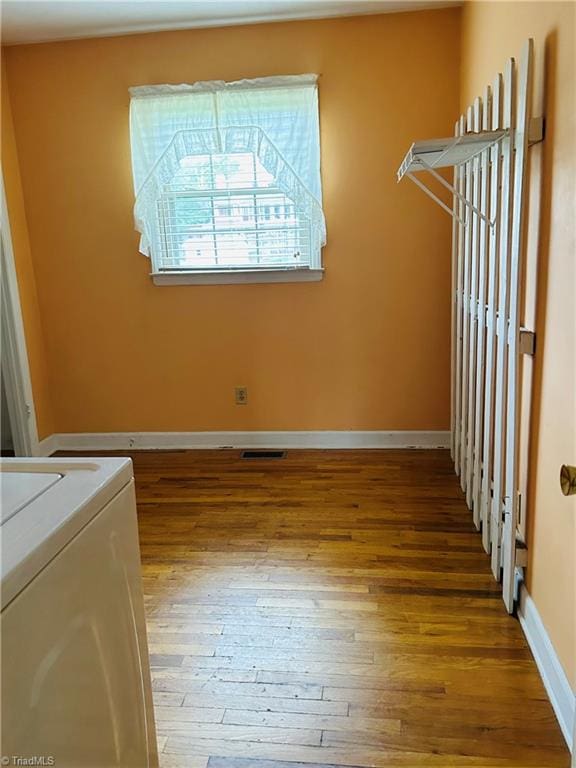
[107, 441]
[561, 696]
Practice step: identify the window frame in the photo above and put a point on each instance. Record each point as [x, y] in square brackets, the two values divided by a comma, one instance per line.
[163, 274]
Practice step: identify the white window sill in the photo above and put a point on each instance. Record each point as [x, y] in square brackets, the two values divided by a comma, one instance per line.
[189, 277]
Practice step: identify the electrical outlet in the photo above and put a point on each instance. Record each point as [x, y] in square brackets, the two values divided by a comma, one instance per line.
[241, 395]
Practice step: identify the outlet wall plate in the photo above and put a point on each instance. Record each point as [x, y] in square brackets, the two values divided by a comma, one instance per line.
[241, 395]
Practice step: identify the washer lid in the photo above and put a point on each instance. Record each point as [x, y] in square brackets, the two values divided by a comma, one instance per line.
[20, 488]
[46, 507]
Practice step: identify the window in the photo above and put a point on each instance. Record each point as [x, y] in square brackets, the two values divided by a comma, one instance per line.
[227, 180]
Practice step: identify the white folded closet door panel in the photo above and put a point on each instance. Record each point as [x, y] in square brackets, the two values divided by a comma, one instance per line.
[489, 156]
[512, 491]
[458, 249]
[506, 184]
[479, 388]
[487, 450]
[468, 254]
[475, 174]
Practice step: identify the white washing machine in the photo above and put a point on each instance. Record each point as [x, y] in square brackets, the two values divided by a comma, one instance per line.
[75, 673]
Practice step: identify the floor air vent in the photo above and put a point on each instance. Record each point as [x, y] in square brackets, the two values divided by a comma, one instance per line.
[263, 454]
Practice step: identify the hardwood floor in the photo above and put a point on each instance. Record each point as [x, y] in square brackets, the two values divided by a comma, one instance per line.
[333, 608]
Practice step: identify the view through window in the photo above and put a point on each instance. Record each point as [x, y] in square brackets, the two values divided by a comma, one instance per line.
[227, 175]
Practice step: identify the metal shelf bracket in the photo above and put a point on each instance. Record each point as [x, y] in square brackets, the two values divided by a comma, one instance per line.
[454, 192]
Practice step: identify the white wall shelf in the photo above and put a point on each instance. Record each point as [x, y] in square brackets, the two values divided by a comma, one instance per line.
[444, 153]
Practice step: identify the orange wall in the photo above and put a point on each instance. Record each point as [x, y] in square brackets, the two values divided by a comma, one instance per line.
[367, 348]
[24, 269]
[491, 33]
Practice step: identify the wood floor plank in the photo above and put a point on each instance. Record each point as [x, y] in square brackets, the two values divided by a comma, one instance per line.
[183, 761]
[353, 755]
[239, 762]
[191, 674]
[244, 733]
[323, 722]
[266, 704]
[180, 715]
[333, 608]
[178, 684]
[167, 699]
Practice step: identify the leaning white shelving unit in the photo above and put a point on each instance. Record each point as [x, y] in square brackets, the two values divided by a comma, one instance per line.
[489, 155]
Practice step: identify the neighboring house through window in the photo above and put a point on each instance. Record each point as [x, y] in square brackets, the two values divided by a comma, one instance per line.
[227, 180]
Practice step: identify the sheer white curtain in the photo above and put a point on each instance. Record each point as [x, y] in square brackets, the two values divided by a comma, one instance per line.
[284, 108]
[157, 113]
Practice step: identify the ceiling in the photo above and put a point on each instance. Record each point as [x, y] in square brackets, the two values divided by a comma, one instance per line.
[34, 21]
